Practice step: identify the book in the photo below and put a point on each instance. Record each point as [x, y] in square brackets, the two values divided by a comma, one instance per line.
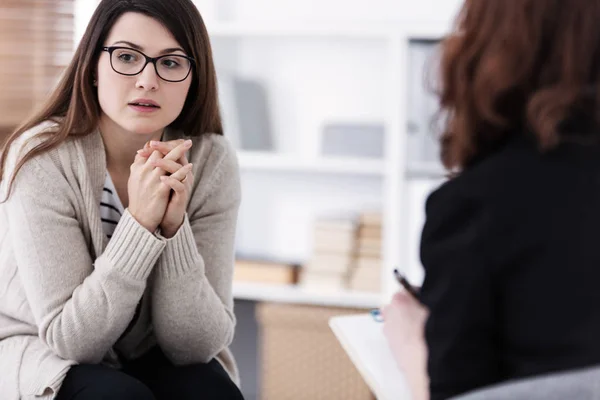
[265, 271]
[330, 263]
[371, 218]
[323, 281]
[253, 116]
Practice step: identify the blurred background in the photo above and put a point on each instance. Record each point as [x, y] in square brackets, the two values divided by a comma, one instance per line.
[327, 104]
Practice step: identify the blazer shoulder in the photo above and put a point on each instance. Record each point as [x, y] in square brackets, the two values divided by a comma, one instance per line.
[495, 175]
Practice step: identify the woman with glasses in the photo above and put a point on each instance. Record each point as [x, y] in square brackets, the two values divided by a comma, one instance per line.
[117, 227]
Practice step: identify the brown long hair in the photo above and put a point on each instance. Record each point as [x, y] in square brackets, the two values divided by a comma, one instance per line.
[74, 106]
[516, 66]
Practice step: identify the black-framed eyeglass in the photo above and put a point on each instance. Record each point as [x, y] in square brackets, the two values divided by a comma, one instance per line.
[130, 62]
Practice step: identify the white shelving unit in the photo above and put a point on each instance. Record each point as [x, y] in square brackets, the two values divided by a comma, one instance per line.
[389, 176]
[426, 170]
[268, 161]
[297, 295]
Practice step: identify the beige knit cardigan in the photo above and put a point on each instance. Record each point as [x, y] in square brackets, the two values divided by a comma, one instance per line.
[67, 293]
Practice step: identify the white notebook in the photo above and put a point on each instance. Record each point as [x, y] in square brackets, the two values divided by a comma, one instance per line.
[363, 340]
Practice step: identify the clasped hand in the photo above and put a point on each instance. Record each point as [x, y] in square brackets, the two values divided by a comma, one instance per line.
[159, 186]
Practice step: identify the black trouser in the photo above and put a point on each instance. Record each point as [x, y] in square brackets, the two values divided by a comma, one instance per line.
[151, 377]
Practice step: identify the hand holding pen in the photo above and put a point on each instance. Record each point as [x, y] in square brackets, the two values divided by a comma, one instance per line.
[406, 285]
[410, 289]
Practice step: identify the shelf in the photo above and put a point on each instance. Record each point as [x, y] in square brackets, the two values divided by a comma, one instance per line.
[426, 31]
[430, 170]
[298, 295]
[266, 161]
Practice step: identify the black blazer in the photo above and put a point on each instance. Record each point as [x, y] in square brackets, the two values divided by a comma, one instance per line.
[511, 251]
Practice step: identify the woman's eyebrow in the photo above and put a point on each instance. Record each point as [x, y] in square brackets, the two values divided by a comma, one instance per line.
[140, 48]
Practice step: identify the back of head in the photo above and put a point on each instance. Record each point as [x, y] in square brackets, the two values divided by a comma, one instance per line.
[514, 66]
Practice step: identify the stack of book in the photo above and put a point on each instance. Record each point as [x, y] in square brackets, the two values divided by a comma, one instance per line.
[366, 274]
[334, 247]
[262, 270]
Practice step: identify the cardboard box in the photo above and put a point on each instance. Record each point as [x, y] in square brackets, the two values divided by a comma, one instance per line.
[300, 357]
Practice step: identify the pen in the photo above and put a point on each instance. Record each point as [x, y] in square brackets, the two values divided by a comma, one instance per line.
[406, 285]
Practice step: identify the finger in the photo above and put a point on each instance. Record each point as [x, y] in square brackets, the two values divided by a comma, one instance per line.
[165, 147]
[384, 311]
[156, 155]
[167, 165]
[139, 159]
[173, 183]
[179, 151]
[144, 153]
[182, 172]
[189, 179]
[183, 160]
[401, 297]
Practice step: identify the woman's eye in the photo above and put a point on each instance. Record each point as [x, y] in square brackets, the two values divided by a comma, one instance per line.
[170, 63]
[126, 57]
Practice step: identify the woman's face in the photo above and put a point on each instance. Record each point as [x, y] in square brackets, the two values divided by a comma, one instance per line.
[143, 103]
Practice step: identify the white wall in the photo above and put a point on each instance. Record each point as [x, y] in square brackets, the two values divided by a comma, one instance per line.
[439, 11]
[331, 10]
[84, 9]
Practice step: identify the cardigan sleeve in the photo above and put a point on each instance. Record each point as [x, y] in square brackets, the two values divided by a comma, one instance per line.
[192, 309]
[81, 306]
[460, 330]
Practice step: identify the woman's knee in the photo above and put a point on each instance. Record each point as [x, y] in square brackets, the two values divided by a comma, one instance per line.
[187, 381]
[97, 382]
[217, 381]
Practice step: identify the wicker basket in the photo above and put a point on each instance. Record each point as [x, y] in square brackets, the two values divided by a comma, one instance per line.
[300, 357]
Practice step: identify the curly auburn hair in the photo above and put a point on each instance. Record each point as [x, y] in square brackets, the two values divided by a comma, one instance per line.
[515, 66]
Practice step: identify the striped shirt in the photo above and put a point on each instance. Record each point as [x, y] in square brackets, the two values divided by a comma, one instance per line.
[111, 210]
[111, 207]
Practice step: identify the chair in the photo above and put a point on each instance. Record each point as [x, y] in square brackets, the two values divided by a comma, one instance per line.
[581, 384]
